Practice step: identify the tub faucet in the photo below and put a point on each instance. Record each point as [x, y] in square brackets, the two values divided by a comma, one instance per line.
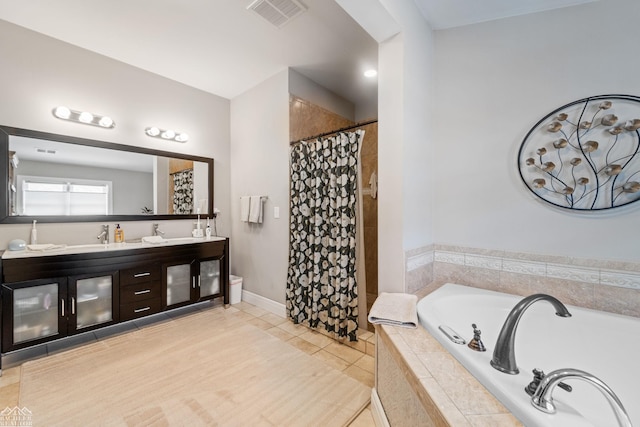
[504, 356]
[156, 230]
[104, 235]
[543, 401]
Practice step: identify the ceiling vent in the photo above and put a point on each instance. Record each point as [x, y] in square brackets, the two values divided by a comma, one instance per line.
[277, 12]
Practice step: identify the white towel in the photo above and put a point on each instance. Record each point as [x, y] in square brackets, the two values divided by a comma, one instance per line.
[245, 203]
[395, 309]
[373, 184]
[255, 211]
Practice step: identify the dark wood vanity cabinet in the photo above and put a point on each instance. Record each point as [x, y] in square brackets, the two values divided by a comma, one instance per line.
[140, 291]
[40, 310]
[190, 280]
[49, 297]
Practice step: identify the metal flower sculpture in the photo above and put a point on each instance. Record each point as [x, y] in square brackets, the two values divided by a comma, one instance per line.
[585, 155]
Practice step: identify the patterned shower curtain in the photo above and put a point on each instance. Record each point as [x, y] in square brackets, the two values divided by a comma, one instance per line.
[321, 283]
[183, 192]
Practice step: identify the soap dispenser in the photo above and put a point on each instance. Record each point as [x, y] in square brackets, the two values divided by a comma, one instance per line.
[34, 233]
[207, 231]
[118, 234]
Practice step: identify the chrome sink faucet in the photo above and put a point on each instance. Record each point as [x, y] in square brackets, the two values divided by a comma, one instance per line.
[504, 356]
[104, 235]
[156, 230]
[543, 401]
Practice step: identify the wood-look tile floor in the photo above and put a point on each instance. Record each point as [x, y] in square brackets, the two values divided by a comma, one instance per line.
[353, 359]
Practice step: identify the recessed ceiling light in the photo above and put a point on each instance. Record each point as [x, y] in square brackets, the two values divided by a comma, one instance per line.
[370, 73]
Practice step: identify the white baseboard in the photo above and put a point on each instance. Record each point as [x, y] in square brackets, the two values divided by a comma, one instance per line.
[264, 303]
[377, 411]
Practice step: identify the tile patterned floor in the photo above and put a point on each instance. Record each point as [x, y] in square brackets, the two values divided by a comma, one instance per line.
[353, 359]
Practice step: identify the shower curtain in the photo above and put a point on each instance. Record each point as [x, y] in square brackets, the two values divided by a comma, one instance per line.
[321, 283]
[183, 192]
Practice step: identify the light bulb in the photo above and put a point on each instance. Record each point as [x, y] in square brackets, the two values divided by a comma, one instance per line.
[168, 134]
[62, 112]
[153, 131]
[85, 117]
[370, 73]
[106, 122]
[182, 137]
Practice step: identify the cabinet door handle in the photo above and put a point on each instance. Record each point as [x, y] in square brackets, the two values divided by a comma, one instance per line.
[140, 310]
[198, 280]
[142, 274]
[193, 282]
[62, 301]
[73, 305]
[146, 291]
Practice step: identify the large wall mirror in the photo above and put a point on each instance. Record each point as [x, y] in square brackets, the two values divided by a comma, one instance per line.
[58, 178]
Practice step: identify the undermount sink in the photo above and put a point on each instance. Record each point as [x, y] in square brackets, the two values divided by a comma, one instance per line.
[158, 240]
[88, 246]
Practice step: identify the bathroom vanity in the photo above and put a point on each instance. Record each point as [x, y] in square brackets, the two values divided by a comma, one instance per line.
[60, 294]
[54, 294]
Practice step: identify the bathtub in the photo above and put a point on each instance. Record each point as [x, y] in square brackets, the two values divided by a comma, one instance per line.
[603, 344]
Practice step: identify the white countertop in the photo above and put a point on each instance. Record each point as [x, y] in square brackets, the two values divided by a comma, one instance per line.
[98, 247]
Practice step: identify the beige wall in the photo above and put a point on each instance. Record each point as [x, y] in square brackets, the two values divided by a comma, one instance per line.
[406, 145]
[260, 158]
[454, 107]
[494, 81]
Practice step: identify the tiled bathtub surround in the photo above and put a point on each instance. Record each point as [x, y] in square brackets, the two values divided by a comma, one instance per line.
[420, 383]
[612, 286]
[419, 268]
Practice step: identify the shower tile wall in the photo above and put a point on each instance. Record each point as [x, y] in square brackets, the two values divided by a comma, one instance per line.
[369, 157]
[307, 119]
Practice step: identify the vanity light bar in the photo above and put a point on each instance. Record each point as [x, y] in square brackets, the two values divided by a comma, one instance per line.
[166, 134]
[85, 117]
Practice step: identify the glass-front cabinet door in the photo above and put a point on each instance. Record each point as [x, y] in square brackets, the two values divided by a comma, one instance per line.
[178, 283]
[209, 278]
[33, 312]
[93, 301]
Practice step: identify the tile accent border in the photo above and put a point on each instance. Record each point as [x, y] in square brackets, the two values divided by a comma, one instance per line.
[418, 264]
[604, 285]
[416, 261]
[520, 265]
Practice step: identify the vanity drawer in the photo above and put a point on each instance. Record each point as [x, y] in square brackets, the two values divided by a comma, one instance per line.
[142, 274]
[139, 292]
[139, 309]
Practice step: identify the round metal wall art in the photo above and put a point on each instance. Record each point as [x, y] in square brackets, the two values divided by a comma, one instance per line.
[585, 155]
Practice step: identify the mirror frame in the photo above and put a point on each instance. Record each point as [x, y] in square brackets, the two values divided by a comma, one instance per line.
[5, 218]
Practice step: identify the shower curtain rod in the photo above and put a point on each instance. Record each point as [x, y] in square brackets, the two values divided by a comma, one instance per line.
[357, 125]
